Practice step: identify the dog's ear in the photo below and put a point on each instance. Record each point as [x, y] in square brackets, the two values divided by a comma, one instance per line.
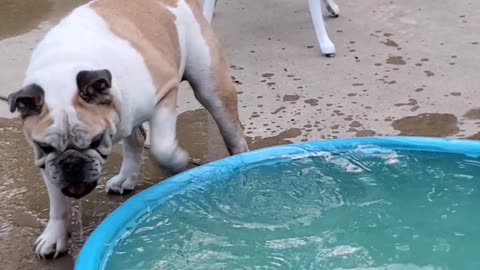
[94, 86]
[28, 101]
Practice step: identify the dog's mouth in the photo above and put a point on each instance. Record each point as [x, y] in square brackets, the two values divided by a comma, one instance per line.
[78, 190]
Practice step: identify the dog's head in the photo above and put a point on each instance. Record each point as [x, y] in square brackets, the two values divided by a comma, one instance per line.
[71, 138]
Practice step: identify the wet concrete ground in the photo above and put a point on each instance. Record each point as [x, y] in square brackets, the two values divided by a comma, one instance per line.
[402, 67]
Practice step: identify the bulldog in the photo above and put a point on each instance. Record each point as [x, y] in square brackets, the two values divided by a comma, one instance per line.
[97, 76]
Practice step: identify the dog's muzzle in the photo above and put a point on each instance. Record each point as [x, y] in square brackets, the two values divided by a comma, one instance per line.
[76, 168]
[79, 190]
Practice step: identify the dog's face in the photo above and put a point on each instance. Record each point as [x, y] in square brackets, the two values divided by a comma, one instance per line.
[70, 143]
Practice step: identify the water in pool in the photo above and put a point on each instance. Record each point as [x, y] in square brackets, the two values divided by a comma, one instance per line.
[365, 209]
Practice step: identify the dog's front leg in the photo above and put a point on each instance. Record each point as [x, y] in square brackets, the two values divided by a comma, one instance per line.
[54, 239]
[126, 180]
[164, 145]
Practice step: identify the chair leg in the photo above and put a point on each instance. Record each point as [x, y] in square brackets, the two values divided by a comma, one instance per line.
[208, 9]
[332, 8]
[326, 45]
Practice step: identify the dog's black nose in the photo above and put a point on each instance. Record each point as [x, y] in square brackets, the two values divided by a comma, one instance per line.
[73, 168]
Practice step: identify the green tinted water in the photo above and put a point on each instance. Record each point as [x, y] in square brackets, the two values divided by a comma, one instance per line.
[367, 209]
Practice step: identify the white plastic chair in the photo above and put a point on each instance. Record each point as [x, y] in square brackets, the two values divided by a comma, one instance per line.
[326, 45]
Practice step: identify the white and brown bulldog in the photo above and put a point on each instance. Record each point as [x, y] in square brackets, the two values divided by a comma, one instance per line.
[97, 76]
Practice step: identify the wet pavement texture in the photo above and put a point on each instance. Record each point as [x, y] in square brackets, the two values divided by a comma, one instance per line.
[402, 68]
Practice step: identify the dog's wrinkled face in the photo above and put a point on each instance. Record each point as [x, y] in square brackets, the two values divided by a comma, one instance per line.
[70, 144]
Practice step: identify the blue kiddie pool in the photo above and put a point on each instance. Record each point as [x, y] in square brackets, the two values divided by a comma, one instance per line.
[366, 203]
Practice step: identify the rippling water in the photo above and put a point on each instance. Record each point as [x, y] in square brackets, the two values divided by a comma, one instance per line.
[370, 208]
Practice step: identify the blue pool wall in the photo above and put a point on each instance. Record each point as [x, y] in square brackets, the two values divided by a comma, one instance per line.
[119, 223]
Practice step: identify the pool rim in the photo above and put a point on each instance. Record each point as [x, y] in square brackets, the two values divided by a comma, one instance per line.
[93, 254]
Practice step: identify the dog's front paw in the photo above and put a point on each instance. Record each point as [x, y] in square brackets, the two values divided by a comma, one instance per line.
[121, 184]
[53, 241]
[173, 159]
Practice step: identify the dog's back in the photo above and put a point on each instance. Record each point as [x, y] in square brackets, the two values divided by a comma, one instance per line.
[149, 26]
[141, 42]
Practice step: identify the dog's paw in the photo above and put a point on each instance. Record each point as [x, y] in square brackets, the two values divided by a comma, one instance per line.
[121, 184]
[174, 160]
[53, 241]
[239, 147]
[178, 161]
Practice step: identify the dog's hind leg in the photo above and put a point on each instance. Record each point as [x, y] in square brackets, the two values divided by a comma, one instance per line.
[127, 178]
[207, 73]
[54, 239]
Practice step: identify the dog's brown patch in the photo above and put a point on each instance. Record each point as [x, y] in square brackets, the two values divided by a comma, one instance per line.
[95, 117]
[36, 126]
[224, 86]
[150, 28]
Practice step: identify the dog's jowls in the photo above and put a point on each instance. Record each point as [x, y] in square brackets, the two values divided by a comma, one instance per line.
[96, 77]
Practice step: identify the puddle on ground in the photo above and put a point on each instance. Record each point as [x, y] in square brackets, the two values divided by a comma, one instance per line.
[23, 208]
[21, 16]
[396, 60]
[279, 110]
[267, 75]
[427, 124]
[198, 133]
[291, 98]
[365, 133]
[24, 204]
[390, 43]
[355, 124]
[411, 102]
[475, 136]
[282, 138]
[473, 114]
[17, 17]
[429, 73]
[312, 101]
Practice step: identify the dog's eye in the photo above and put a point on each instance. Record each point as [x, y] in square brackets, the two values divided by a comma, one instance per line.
[96, 141]
[46, 148]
